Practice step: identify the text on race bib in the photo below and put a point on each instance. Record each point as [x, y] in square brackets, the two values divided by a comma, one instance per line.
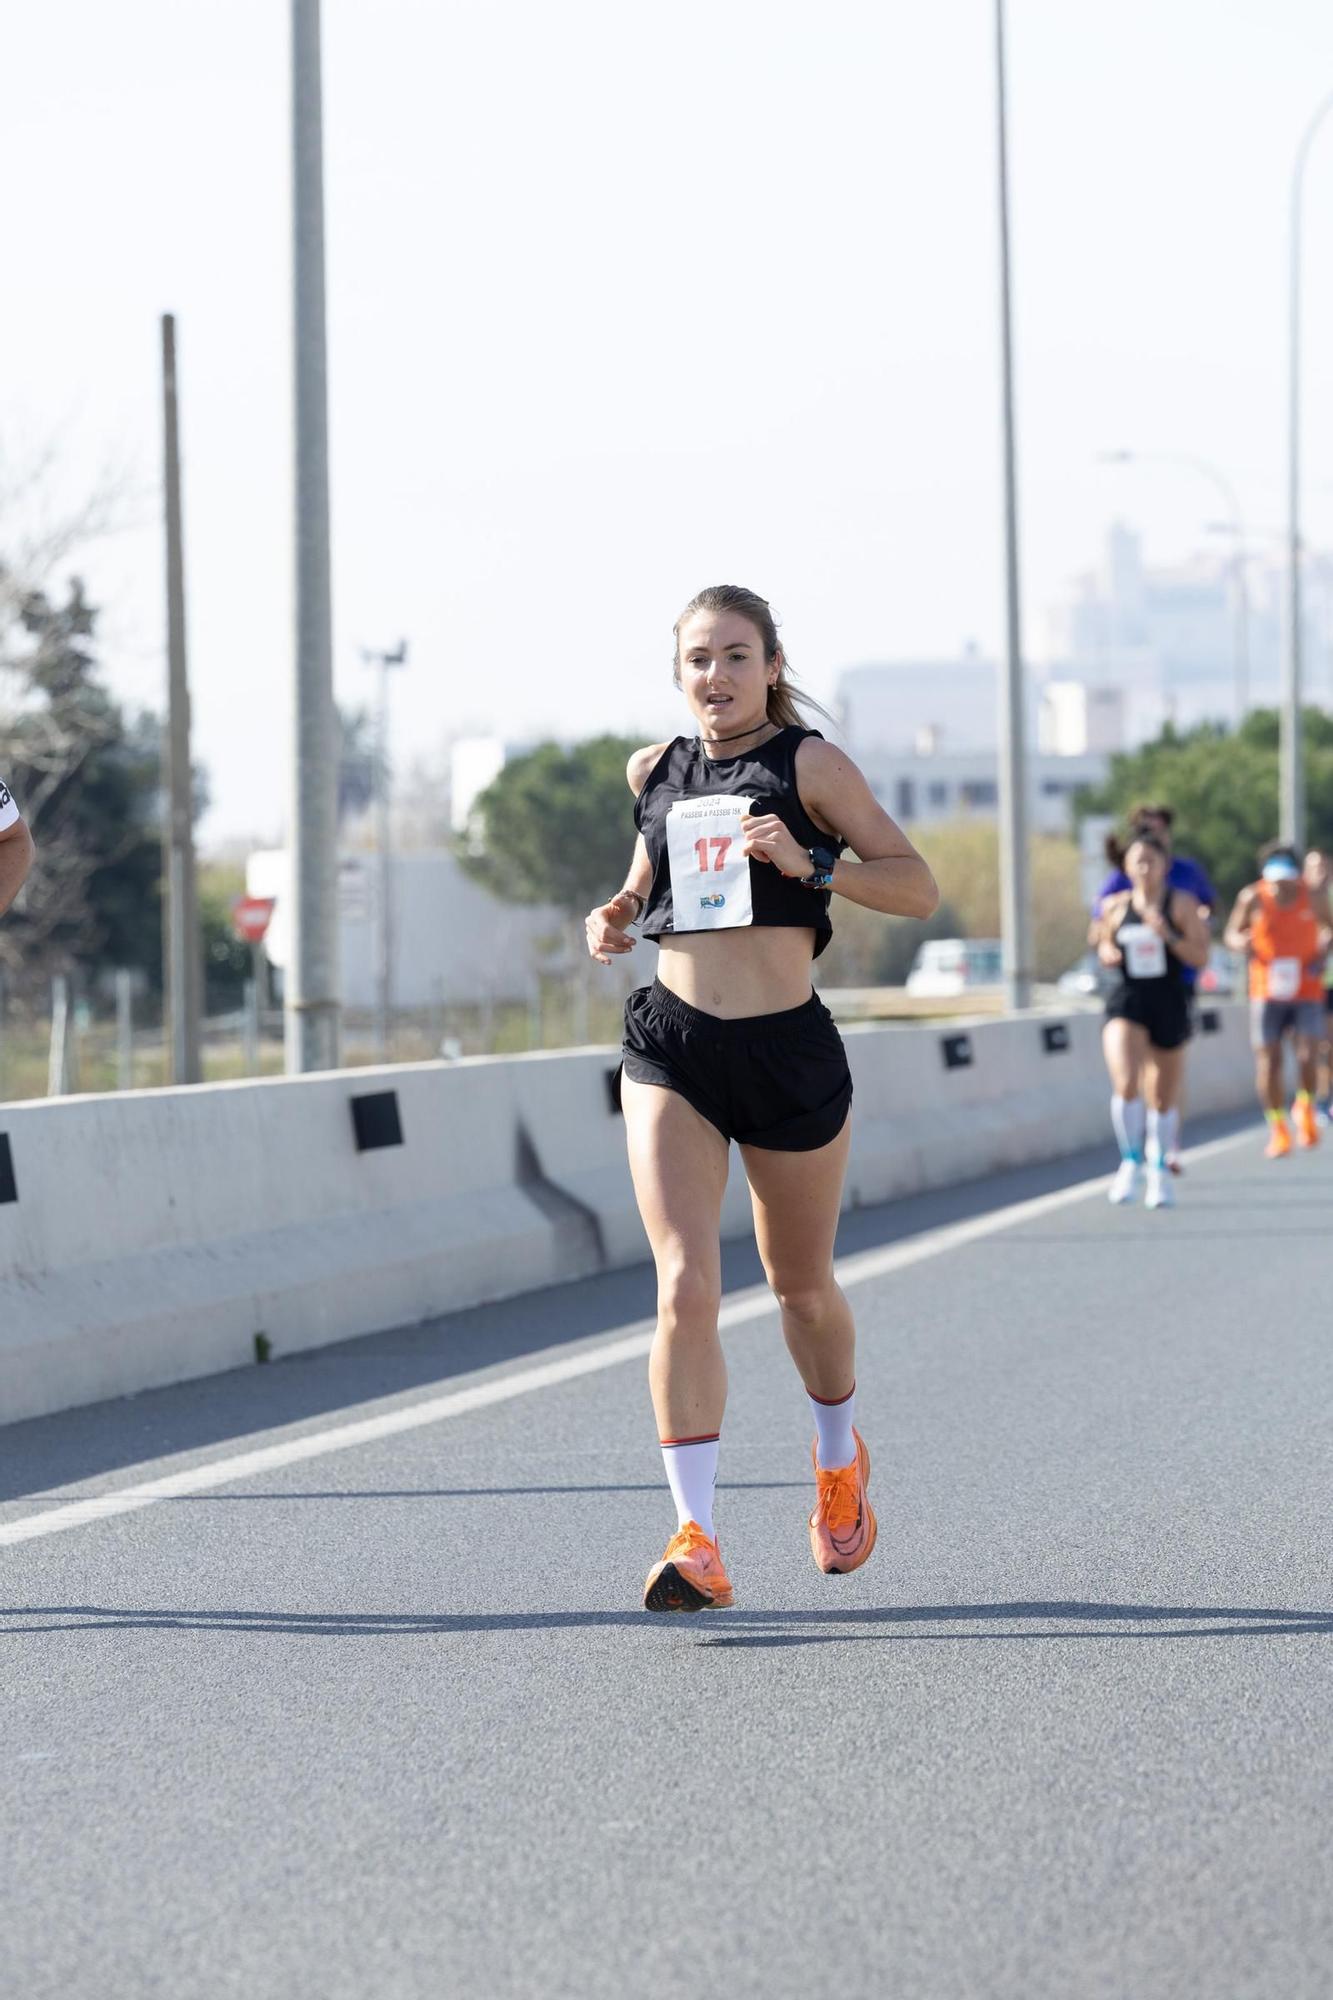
[1284, 978]
[1144, 952]
[710, 876]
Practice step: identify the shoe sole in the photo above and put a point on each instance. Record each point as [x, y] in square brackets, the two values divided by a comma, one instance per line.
[670, 1591]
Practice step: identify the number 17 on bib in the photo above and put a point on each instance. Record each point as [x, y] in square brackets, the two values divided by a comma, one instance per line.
[710, 876]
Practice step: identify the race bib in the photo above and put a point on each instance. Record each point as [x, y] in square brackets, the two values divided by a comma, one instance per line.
[1144, 952]
[710, 877]
[1284, 978]
[9, 812]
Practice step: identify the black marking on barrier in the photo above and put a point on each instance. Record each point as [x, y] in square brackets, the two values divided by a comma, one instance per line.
[1055, 1037]
[578, 1227]
[957, 1051]
[1210, 1021]
[9, 1187]
[613, 1091]
[376, 1120]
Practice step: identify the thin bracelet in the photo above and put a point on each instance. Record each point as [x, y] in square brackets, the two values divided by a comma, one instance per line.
[642, 902]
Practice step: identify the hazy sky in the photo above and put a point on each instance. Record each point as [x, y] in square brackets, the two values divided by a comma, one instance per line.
[623, 301]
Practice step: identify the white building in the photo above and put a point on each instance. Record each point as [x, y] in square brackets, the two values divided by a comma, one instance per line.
[925, 733]
[452, 941]
[1075, 720]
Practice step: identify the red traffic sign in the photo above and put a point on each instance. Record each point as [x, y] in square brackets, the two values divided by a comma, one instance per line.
[250, 917]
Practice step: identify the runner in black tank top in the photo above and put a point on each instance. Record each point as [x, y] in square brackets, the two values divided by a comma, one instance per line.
[1150, 933]
[742, 829]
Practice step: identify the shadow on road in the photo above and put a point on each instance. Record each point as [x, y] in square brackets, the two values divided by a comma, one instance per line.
[736, 1628]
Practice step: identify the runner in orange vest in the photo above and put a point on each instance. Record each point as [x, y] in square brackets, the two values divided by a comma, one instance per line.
[1286, 928]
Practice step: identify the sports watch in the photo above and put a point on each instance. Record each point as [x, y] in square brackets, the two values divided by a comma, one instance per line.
[822, 862]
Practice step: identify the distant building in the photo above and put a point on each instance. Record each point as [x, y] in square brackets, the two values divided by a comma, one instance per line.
[964, 784]
[452, 940]
[1075, 719]
[924, 733]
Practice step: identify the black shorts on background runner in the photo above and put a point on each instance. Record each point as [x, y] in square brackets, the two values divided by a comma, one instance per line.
[779, 1081]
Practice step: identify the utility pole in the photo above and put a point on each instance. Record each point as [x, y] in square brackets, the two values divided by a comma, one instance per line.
[1290, 752]
[384, 936]
[182, 969]
[312, 1010]
[1015, 909]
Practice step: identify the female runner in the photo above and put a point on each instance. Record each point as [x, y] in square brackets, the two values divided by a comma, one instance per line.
[1150, 932]
[741, 837]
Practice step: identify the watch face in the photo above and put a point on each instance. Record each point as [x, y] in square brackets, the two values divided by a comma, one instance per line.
[823, 860]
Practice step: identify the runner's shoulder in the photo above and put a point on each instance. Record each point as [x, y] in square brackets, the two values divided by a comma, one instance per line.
[639, 768]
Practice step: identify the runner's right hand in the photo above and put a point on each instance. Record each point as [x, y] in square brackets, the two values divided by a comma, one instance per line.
[1110, 954]
[605, 929]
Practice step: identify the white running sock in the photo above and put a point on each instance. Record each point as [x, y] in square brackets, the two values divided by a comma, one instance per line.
[1129, 1119]
[833, 1422]
[1163, 1134]
[691, 1470]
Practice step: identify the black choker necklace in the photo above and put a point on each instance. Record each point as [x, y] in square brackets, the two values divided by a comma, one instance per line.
[739, 733]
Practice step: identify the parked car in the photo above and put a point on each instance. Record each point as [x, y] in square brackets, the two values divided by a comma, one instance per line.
[1224, 974]
[1088, 979]
[945, 967]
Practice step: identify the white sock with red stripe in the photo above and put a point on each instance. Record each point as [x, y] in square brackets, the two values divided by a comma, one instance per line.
[691, 1470]
[833, 1422]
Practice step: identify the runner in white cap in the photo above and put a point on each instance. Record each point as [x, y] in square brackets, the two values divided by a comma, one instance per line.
[16, 849]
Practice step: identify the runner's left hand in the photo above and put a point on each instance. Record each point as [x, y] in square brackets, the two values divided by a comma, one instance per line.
[767, 839]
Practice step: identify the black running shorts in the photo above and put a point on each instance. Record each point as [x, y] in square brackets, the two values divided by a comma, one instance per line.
[1164, 1013]
[779, 1081]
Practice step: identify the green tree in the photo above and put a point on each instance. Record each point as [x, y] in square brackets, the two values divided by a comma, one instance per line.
[555, 826]
[1222, 786]
[87, 781]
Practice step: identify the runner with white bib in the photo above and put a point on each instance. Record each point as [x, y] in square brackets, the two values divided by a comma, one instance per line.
[1151, 933]
[16, 849]
[743, 836]
[1282, 922]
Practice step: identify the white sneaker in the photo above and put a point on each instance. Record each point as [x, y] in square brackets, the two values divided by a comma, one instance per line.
[1160, 1193]
[1125, 1186]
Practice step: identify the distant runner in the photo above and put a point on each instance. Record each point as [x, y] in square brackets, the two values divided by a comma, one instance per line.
[1285, 927]
[1182, 873]
[1316, 877]
[16, 849]
[1152, 934]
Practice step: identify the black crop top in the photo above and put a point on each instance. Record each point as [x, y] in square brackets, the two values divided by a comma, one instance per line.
[768, 777]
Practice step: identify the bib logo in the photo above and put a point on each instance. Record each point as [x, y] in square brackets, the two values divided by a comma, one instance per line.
[4, 798]
[711, 902]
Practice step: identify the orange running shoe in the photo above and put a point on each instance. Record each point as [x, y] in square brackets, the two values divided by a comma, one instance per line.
[690, 1576]
[843, 1525]
[1279, 1139]
[1306, 1121]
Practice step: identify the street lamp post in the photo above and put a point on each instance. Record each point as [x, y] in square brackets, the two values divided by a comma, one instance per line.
[1015, 907]
[1292, 784]
[383, 853]
[1218, 480]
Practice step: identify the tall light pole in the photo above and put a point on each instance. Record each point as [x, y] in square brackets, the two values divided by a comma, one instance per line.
[1221, 484]
[182, 960]
[1290, 758]
[1015, 907]
[383, 852]
[311, 1000]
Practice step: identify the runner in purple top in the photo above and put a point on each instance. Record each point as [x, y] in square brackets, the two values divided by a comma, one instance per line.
[1182, 873]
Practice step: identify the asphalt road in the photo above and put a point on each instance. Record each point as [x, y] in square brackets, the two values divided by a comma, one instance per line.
[386, 1721]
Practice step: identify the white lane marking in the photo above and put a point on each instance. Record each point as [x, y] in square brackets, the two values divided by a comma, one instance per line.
[563, 1367]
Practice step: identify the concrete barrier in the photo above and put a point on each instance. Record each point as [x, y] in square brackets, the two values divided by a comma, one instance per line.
[150, 1236]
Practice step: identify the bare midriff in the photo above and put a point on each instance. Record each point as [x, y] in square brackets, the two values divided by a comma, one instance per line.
[734, 974]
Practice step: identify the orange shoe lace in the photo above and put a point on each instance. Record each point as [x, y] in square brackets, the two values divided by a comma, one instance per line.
[688, 1541]
[839, 1495]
